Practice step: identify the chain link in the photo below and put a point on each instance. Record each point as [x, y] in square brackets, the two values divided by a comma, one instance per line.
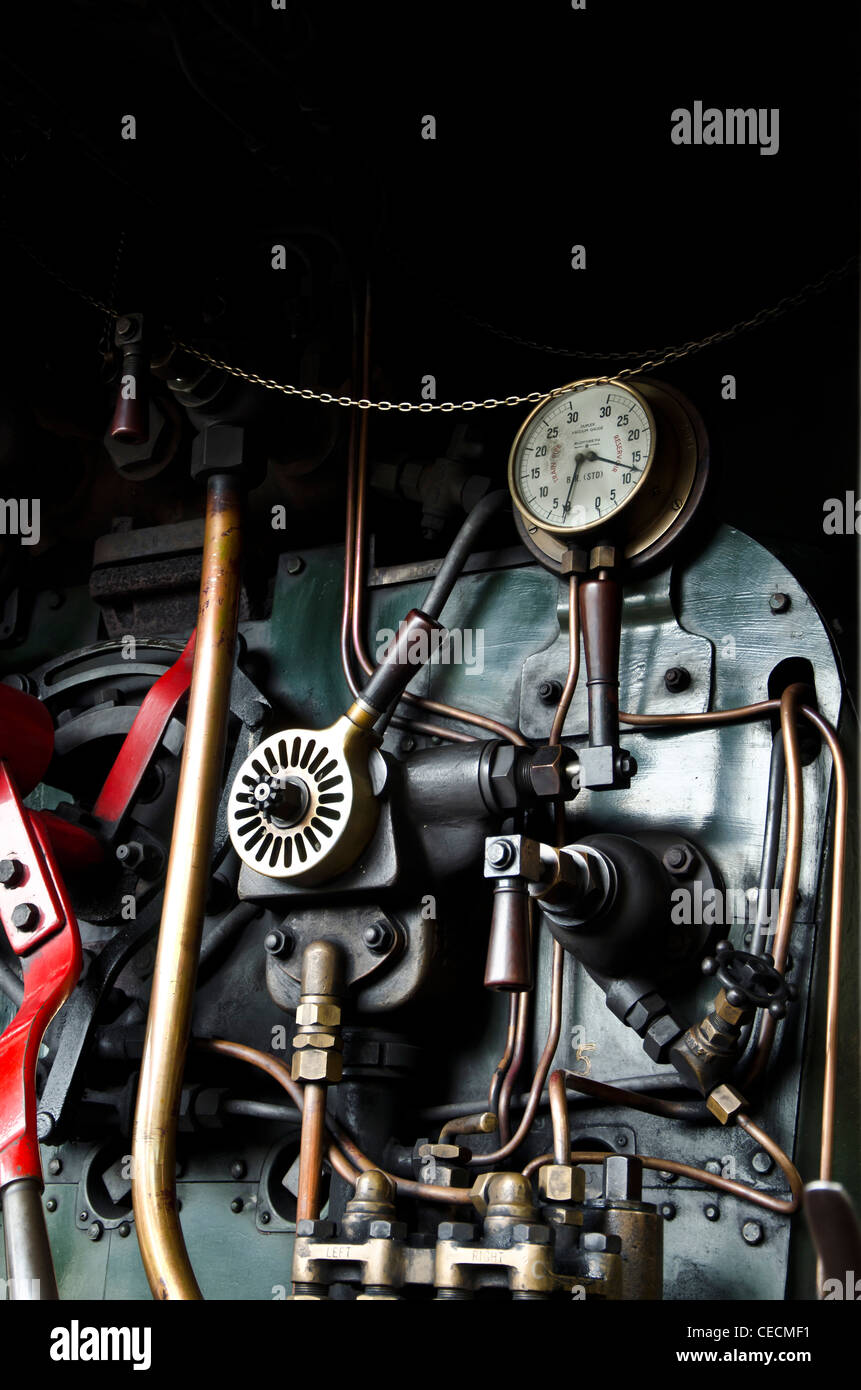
[655, 359]
[659, 356]
[648, 364]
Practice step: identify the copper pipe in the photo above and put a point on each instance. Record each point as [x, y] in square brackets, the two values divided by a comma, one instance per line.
[789, 706]
[759, 711]
[573, 660]
[521, 1041]
[162, 1248]
[311, 1151]
[783, 1206]
[829, 1085]
[557, 979]
[706, 720]
[280, 1072]
[354, 579]
[484, 1122]
[502, 1065]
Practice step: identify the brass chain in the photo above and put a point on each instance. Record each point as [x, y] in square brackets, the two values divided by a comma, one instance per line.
[660, 359]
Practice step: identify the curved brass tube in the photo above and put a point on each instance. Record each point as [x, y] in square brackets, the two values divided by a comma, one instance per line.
[162, 1247]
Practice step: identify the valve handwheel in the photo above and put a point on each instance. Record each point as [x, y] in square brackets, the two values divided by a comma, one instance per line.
[750, 982]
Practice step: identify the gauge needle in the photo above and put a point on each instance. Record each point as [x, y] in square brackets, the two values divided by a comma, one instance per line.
[596, 458]
[567, 503]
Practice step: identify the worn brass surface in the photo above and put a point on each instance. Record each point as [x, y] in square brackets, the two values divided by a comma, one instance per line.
[154, 1143]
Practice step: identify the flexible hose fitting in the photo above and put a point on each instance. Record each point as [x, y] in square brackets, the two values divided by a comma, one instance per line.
[162, 1247]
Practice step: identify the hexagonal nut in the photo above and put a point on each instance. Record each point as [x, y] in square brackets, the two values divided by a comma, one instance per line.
[530, 1234]
[442, 1174]
[387, 1230]
[725, 1101]
[597, 1241]
[451, 1152]
[562, 1216]
[478, 1192]
[460, 1231]
[561, 1182]
[326, 1015]
[545, 771]
[623, 1178]
[642, 1013]
[716, 1038]
[660, 1036]
[678, 859]
[315, 1230]
[313, 1065]
[503, 779]
[730, 1013]
[326, 1042]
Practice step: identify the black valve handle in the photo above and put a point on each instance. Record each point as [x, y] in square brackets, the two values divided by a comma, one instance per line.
[750, 982]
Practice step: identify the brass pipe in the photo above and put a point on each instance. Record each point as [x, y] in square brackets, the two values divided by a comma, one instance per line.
[559, 1117]
[162, 1247]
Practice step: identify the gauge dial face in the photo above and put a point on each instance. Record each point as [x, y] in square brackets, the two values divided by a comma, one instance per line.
[582, 456]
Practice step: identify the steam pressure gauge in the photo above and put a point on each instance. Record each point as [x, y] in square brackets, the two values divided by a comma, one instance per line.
[606, 461]
[581, 457]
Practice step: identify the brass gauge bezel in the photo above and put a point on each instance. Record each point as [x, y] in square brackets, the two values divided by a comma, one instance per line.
[575, 388]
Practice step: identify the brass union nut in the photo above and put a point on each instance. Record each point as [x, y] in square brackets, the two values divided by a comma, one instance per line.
[725, 1101]
[313, 1065]
[561, 1182]
[324, 1041]
[453, 1153]
[324, 1015]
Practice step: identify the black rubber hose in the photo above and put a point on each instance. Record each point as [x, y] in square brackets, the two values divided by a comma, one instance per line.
[460, 550]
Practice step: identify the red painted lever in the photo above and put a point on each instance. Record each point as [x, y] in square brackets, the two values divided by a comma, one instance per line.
[40, 925]
[143, 737]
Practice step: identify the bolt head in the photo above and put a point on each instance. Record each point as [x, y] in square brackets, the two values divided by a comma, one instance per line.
[762, 1162]
[55, 1166]
[678, 859]
[96, 1231]
[377, 936]
[265, 1218]
[711, 1212]
[676, 679]
[460, 1231]
[26, 917]
[237, 1205]
[124, 1230]
[51, 1204]
[500, 854]
[668, 1210]
[549, 692]
[11, 872]
[752, 1233]
[779, 603]
[238, 1169]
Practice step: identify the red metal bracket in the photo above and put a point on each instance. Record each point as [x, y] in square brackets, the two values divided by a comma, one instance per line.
[49, 946]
